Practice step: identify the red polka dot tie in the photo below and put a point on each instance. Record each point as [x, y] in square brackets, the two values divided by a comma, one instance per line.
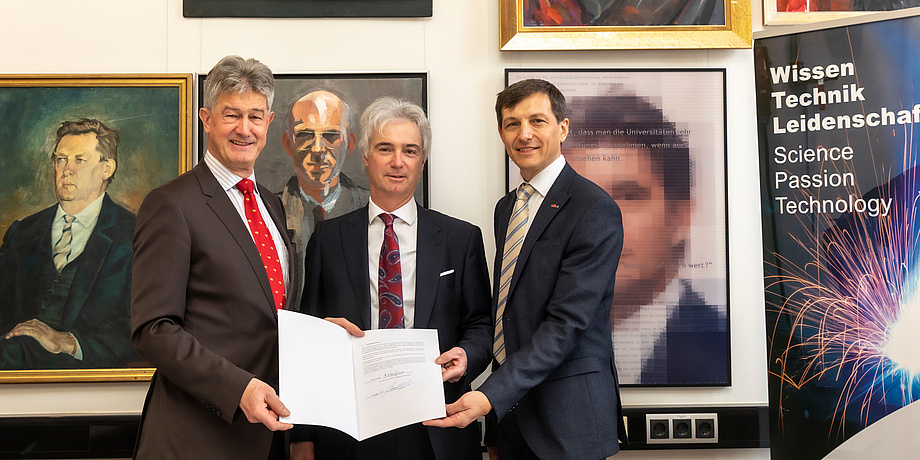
[263, 238]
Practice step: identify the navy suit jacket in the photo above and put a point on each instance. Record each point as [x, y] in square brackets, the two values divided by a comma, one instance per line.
[96, 310]
[451, 295]
[559, 376]
[693, 349]
[202, 313]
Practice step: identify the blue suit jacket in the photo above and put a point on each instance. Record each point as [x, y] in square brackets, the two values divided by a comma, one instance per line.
[97, 310]
[693, 349]
[451, 295]
[559, 375]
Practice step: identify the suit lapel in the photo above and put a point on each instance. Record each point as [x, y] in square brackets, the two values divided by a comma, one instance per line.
[354, 244]
[294, 275]
[502, 215]
[90, 262]
[553, 203]
[38, 235]
[228, 215]
[429, 257]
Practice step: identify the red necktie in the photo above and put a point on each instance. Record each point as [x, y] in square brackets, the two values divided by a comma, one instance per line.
[264, 243]
[389, 279]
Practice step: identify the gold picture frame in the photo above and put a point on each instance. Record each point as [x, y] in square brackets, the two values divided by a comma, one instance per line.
[735, 33]
[152, 115]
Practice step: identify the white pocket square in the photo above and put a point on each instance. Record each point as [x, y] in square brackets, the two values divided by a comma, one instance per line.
[448, 272]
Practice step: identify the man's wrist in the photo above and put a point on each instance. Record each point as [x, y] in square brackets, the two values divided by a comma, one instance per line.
[70, 344]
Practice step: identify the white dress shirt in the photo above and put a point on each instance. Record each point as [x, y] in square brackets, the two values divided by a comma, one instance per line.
[81, 229]
[541, 183]
[406, 227]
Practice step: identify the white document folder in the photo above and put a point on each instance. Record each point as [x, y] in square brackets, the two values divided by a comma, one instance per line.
[362, 386]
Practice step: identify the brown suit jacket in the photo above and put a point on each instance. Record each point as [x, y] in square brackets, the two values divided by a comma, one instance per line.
[202, 313]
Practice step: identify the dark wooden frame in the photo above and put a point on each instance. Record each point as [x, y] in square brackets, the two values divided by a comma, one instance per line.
[306, 8]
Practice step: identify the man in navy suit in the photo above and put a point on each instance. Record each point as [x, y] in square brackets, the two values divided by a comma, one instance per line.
[65, 272]
[553, 390]
[443, 280]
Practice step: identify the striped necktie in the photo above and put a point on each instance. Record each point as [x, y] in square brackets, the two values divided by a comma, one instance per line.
[61, 250]
[514, 238]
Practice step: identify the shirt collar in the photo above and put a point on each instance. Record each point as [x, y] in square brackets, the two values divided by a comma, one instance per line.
[544, 180]
[407, 212]
[88, 215]
[328, 202]
[226, 178]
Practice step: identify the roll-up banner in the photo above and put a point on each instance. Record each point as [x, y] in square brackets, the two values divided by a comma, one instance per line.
[839, 126]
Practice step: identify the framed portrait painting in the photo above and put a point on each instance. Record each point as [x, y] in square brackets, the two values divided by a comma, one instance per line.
[311, 157]
[629, 24]
[80, 154]
[655, 140]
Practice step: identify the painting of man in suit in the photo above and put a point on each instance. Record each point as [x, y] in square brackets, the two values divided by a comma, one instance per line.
[319, 135]
[665, 329]
[65, 271]
[114, 138]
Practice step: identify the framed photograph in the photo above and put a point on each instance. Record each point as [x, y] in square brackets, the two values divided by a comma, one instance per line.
[306, 8]
[655, 140]
[630, 24]
[783, 12]
[80, 154]
[311, 157]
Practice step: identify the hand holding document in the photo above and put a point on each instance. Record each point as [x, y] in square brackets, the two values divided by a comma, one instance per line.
[362, 386]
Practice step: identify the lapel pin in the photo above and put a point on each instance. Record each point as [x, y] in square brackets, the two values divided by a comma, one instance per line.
[554, 205]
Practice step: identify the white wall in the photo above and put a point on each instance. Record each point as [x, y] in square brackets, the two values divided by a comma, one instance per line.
[458, 47]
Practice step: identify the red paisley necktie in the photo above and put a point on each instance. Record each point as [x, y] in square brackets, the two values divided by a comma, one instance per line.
[389, 279]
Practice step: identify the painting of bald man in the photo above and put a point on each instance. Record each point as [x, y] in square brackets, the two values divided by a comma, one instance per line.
[78, 159]
[311, 158]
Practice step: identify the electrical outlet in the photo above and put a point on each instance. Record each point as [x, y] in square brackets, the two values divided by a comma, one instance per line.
[659, 429]
[705, 428]
[682, 428]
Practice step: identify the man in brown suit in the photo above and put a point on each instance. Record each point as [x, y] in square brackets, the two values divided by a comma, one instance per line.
[203, 308]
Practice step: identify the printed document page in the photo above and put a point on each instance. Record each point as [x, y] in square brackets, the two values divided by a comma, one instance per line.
[362, 386]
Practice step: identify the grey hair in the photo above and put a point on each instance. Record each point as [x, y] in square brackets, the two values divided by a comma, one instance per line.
[234, 74]
[388, 109]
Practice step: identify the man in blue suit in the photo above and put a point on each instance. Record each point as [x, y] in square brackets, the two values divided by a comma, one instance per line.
[442, 280]
[553, 390]
[65, 272]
